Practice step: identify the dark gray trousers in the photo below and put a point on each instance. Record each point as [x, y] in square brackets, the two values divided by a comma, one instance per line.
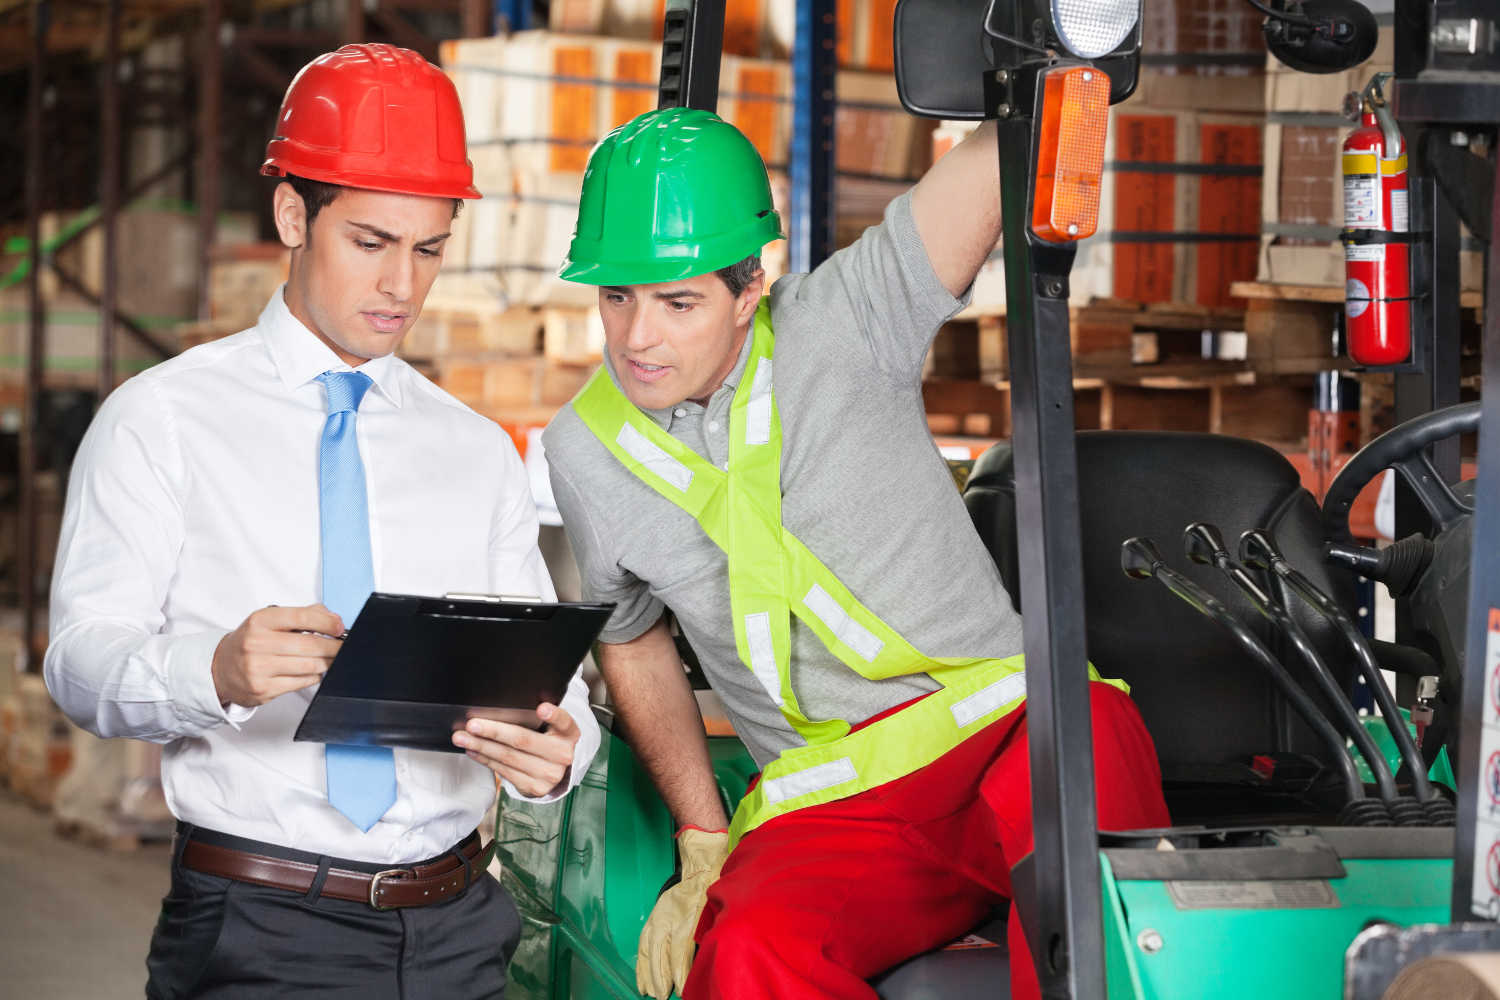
[217, 939]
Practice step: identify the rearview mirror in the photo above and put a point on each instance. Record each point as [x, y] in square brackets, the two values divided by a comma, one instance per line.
[944, 48]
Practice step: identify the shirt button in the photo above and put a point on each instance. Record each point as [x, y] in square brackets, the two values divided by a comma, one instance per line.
[679, 412]
[713, 425]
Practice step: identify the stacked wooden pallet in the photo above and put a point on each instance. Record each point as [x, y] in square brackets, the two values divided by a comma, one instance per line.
[35, 744]
[157, 290]
[1151, 366]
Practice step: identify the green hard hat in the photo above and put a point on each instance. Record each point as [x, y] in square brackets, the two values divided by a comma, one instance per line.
[671, 194]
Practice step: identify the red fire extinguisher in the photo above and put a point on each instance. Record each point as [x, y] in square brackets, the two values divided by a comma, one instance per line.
[1377, 282]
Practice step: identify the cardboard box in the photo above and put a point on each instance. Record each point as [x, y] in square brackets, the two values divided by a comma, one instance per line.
[573, 337]
[1216, 193]
[754, 28]
[1302, 195]
[511, 383]
[242, 279]
[1185, 28]
[72, 336]
[1198, 176]
[160, 283]
[1323, 93]
[866, 34]
[38, 746]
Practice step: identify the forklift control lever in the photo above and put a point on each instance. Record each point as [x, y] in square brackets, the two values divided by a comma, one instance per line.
[1205, 544]
[1140, 559]
[1259, 550]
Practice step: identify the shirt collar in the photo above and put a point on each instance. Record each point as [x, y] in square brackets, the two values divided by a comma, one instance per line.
[663, 418]
[300, 357]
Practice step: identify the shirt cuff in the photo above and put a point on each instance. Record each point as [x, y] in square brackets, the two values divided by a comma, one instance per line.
[190, 683]
[583, 751]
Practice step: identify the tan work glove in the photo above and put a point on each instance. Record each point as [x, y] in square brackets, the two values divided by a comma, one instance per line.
[665, 953]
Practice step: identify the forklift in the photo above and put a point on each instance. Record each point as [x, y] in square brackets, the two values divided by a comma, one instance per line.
[1313, 855]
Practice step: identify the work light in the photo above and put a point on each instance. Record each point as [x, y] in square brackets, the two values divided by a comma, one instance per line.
[1106, 32]
[1091, 29]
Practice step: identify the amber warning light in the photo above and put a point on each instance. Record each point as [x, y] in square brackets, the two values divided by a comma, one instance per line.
[1070, 156]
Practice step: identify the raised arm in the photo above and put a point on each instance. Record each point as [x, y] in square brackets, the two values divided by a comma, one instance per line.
[956, 207]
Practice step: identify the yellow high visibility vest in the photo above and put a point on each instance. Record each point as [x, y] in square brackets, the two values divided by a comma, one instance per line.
[772, 576]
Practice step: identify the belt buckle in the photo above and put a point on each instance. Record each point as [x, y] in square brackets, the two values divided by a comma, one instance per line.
[395, 873]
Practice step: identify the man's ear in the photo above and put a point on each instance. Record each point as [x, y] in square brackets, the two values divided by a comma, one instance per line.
[290, 215]
[744, 307]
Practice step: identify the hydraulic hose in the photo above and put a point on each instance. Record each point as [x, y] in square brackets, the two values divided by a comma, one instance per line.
[1205, 545]
[1140, 560]
[1258, 550]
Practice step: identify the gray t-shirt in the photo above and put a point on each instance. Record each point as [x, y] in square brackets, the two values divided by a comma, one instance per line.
[863, 487]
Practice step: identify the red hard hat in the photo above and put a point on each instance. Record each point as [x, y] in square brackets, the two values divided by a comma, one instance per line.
[376, 117]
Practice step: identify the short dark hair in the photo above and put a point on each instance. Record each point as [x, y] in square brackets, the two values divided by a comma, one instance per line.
[738, 276]
[318, 195]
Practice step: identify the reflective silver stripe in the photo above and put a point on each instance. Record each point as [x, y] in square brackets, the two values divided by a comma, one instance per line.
[850, 632]
[651, 455]
[763, 654]
[814, 779]
[758, 410]
[987, 699]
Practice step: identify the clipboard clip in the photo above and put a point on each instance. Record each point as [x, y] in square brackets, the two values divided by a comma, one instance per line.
[455, 595]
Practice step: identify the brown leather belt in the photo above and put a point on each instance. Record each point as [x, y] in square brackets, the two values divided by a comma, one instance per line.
[414, 885]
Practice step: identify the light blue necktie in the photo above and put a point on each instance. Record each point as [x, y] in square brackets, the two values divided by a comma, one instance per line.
[361, 779]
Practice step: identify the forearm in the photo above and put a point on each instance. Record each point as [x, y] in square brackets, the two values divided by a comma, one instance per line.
[655, 704]
[113, 679]
[956, 207]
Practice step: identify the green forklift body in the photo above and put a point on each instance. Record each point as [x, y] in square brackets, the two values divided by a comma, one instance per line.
[1227, 915]
[1440, 772]
[1238, 938]
[586, 872]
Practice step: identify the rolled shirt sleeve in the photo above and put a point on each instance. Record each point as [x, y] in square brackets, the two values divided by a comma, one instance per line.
[603, 580]
[883, 289]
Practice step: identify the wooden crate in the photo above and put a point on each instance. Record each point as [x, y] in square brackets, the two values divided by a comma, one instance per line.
[38, 749]
[490, 384]
[1239, 404]
[573, 336]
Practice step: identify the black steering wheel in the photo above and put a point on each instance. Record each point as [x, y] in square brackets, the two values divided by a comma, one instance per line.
[1403, 448]
[1432, 572]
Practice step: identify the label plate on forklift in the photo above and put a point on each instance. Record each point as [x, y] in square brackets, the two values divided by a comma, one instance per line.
[1484, 899]
[1277, 894]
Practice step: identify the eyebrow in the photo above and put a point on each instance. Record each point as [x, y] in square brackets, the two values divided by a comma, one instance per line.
[393, 238]
[680, 293]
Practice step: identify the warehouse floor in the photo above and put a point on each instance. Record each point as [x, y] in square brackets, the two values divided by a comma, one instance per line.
[78, 918]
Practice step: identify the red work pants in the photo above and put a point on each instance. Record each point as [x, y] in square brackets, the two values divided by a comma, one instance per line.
[814, 903]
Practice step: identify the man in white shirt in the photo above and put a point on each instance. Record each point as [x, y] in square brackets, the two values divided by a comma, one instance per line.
[228, 512]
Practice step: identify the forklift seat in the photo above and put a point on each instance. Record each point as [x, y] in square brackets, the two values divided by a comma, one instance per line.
[977, 965]
[1216, 719]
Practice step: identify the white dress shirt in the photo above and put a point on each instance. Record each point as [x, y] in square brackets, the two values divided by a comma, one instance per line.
[193, 501]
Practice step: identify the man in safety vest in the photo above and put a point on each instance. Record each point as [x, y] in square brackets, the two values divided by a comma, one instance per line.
[760, 465]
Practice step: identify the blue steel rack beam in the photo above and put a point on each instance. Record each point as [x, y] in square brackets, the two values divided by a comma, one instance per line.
[814, 78]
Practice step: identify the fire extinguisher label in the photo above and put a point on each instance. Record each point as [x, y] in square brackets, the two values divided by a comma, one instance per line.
[1364, 252]
[1361, 201]
[1399, 216]
[1356, 298]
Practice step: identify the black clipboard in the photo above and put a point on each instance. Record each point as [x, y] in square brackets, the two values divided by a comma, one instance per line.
[413, 670]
